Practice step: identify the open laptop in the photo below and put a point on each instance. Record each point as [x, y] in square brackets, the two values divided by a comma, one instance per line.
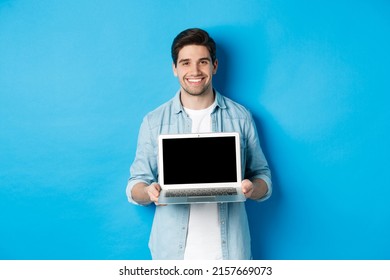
[200, 168]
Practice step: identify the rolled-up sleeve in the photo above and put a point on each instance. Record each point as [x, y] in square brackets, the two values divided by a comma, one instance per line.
[256, 164]
[144, 167]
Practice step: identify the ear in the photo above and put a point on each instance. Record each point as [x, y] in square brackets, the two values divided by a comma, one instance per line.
[215, 66]
[174, 69]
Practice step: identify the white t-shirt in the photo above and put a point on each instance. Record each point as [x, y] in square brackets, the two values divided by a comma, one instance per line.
[204, 232]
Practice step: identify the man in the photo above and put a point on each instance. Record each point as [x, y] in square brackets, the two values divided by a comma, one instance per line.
[198, 231]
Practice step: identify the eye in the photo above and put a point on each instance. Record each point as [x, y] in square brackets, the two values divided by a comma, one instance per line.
[204, 62]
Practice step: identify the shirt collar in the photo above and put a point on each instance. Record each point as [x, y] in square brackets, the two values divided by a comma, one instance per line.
[178, 107]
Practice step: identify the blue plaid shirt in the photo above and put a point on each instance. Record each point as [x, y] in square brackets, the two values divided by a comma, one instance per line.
[169, 230]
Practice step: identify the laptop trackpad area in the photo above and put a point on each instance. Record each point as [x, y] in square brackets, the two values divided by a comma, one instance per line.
[201, 198]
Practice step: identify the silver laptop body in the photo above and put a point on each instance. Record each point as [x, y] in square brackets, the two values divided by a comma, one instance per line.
[200, 168]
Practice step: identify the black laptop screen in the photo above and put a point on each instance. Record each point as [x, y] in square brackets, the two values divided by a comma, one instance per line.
[199, 160]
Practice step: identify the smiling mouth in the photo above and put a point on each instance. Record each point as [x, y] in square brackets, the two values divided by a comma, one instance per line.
[194, 80]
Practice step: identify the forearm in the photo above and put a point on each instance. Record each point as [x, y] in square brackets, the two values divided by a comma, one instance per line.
[140, 195]
[260, 189]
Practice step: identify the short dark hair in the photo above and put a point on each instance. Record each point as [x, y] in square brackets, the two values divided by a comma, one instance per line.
[193, 36]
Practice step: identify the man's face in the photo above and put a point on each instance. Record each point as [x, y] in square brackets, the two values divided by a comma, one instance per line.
[195, 70]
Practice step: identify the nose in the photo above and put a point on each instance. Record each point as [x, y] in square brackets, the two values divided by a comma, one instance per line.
[195, 69]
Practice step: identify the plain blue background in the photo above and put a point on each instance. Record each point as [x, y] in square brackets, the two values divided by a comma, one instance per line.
[76, 78]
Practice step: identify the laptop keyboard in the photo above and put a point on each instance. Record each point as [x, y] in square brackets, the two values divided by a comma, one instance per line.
[201, 192]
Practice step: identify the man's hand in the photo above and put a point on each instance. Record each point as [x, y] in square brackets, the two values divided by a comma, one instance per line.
[153, 191]
[144, 194]
[247, 188]
[255, 189]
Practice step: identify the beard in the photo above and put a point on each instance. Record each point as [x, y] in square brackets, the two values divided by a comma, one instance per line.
[196, 91]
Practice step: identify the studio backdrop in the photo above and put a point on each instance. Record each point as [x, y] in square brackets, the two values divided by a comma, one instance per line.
[77, 77]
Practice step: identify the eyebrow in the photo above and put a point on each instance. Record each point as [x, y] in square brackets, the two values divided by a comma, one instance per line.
[187, 59]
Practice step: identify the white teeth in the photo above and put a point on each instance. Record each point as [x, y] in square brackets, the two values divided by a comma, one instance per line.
[194, 80]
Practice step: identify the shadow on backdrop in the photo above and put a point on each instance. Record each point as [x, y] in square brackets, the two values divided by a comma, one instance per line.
[260, 215]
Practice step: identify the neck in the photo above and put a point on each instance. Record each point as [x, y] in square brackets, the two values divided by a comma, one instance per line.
[197, 102]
